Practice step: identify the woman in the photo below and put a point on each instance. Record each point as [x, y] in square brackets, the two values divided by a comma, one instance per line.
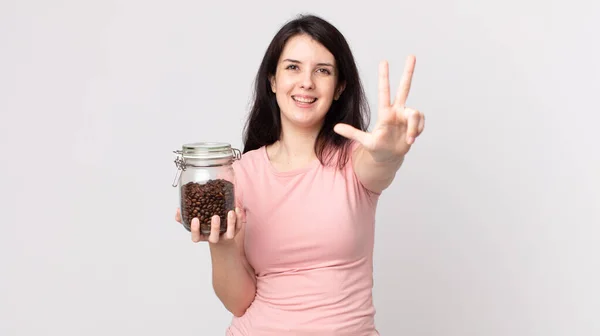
[297, 255]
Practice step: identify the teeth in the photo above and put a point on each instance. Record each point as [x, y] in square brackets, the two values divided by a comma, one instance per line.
[304, 100]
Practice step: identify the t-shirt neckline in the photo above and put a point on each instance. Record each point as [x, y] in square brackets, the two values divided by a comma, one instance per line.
[292, 172]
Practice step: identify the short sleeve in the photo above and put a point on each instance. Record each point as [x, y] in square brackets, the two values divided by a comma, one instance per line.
[238, 184]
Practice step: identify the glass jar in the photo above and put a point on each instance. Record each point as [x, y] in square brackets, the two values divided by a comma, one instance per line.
[206, 183]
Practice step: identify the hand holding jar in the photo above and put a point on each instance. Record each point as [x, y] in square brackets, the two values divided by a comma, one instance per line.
[206, 183]
[235, 221]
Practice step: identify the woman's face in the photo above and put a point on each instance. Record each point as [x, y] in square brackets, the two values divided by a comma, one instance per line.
[305, 82]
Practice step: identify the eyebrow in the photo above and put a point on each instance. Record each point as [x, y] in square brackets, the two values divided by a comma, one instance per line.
[319, 64]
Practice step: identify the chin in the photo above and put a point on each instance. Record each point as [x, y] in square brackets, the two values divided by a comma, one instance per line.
[305, 119]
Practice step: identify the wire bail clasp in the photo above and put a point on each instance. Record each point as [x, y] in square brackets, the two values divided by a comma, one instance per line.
[180, 164]
[237, 154]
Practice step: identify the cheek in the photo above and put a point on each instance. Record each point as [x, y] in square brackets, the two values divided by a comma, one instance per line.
[283, 84]
[326, 97]
[328, 88]
[288, 87]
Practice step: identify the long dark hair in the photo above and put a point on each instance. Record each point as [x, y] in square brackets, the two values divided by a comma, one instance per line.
[263, 126]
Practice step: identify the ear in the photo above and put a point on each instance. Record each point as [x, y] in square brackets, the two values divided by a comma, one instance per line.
[339, 91]
[272, 81]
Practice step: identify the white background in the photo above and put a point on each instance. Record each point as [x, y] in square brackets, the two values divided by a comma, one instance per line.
[491, 227]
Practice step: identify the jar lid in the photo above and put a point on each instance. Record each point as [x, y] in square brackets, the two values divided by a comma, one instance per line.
[207, 150]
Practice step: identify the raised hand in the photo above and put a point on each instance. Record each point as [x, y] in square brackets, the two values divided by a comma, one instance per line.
[397, 126]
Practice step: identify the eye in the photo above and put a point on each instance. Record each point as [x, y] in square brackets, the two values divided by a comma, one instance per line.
[325, 71]
[292, 67]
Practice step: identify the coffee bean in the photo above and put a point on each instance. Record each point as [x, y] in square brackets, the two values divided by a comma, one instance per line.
[204, 200]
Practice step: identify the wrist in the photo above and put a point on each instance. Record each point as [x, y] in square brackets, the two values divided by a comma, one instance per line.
[384, 160]
[222, 250]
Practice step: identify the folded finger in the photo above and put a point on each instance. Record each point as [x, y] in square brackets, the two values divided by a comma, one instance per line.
[412, 127]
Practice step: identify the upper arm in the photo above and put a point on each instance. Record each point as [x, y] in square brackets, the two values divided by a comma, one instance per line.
[239, 238]
[239, 241]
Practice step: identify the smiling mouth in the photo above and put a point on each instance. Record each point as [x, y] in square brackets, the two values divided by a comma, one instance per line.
[304, 100]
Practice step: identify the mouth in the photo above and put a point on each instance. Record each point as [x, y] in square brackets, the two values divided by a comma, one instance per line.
[304, 99]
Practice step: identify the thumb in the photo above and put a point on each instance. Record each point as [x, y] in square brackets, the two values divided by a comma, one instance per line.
[352, 133]
[240, 218]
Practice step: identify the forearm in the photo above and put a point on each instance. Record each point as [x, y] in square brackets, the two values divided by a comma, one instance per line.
[376, 176]
[232, 282]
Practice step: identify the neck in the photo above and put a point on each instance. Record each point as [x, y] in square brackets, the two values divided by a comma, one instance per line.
[295, 147]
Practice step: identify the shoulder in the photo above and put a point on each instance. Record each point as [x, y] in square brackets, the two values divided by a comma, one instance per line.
[249, 160]
[245, 170]
[249, 165]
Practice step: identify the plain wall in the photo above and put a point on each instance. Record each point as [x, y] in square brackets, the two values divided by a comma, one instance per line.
[490, 228]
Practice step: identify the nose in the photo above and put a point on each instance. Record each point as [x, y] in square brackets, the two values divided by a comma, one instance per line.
[306, 81]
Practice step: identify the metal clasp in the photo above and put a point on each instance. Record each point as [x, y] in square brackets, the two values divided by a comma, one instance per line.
[180, 163]
[237, 154]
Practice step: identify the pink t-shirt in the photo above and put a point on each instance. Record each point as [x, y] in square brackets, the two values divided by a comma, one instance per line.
[309, 237]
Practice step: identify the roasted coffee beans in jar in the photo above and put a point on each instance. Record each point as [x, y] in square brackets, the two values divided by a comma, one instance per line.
[205, 181]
